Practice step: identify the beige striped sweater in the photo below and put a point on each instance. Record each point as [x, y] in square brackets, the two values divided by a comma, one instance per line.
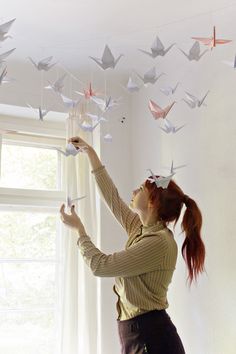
[143, 271]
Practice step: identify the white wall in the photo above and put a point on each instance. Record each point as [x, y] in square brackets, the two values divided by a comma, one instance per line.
[204, 316]
[117, 158]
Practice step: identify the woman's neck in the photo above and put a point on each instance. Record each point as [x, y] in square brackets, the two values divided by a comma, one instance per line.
[148, 219]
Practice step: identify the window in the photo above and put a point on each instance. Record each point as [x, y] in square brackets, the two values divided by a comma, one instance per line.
[30, 251]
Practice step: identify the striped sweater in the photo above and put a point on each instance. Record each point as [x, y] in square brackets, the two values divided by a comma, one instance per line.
[144, 270]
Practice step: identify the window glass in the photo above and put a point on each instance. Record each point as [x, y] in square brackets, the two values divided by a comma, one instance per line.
[27, 235]
[29, 167]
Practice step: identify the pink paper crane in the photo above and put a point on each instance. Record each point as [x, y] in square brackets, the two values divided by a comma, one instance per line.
[159, 112]
[212, 41]
[88, 93]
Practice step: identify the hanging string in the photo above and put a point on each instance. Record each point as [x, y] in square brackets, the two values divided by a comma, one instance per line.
[144, 29]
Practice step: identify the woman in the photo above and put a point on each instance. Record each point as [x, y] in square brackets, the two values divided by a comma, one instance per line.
[143, 271]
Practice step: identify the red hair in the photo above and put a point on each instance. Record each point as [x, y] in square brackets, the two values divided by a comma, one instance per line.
[168, 203]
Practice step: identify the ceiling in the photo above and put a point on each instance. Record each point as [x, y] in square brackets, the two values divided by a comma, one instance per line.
[72, 30]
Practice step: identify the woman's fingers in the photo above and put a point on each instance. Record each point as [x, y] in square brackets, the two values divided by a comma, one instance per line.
[62, 209]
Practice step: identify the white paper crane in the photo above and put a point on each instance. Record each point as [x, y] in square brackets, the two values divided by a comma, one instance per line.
[192, 101]
[194, 52]
[44, 64]
[170, 128]
[168, 90]
[160, 181]
[157, 48]
[70, 201]
[107, 60]
[71, 150]
[150, 77]
[57, 85]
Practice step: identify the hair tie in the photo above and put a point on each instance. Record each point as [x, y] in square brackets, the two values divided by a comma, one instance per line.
[186, 199]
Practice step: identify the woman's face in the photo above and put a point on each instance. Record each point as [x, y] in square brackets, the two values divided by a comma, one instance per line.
[140, 199]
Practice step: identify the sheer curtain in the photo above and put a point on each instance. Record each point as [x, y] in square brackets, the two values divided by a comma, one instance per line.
[80, 289]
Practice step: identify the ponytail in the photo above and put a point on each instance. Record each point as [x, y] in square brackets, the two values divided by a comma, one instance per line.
[193, 249]
[168, 203]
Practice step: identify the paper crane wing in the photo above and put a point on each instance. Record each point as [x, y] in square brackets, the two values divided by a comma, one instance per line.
[146, 52]
[154, 106]
[6, 54]
[46, 61]
[33, 62]
[190, 103]
[156, 110]
[168, 48]
[168, 108]
[206, 41]
[195, 49]
[3, 74]
[5, 27]
[187, 55]
[223, 41]
[177, 129]
[191, 97]
[203, 99]
[62, 152]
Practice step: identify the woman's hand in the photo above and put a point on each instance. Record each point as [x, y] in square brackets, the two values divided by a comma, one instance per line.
[72, 220]
[79, 143]
[91, 153]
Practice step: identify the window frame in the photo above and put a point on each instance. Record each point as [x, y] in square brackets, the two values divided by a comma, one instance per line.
[44, 135]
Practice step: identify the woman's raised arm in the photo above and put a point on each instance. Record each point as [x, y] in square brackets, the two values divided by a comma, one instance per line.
[128, 219]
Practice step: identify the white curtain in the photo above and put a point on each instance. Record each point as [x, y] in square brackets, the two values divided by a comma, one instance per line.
[79, 321]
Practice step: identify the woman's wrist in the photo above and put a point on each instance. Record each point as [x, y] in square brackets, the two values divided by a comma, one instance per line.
[81, 231]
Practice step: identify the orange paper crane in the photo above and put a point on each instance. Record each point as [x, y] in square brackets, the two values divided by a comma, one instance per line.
[157, 111]
[212, 41]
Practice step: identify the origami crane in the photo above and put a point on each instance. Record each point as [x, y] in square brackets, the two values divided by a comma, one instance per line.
[4, 28]
[58, 85]
[212, 41]
[106, 104]
[88, 93]
[5, 55]
[71, 150]
[194, 52]
[132, 86]
[70, 201]
[170, 128]
[68, 102]
[231, 63]
[43, 64]
[87, 127]
[42, 113]
[172, 168]
[161, 181]
[95, 117]
[107, 60]
[193, 101]
[150, 76]
[157, 111]
[168, 90]
[157, 48]
[107, 138]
